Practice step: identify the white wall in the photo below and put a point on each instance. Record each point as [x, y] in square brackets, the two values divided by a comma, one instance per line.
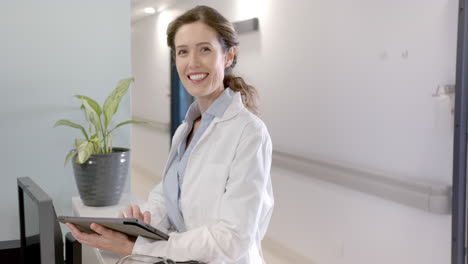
[151, 95]
[350, 82]
[49, 51]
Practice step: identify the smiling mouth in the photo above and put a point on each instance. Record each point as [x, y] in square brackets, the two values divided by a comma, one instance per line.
[197, 77]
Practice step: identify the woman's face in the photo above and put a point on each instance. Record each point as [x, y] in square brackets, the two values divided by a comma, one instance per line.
[200, 60]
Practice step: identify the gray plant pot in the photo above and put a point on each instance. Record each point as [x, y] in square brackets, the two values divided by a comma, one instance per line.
[101, 179]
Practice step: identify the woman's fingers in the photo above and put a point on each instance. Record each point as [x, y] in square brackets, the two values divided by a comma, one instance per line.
[134, 211]
[121, 215]
[71, 226]
[129, 211]
[101, 230]
[76, 233]
[147, 217]
[137, 212]
[80, 236]
[104, 238]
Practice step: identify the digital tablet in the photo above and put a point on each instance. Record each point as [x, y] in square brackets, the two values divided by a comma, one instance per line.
[129, 226]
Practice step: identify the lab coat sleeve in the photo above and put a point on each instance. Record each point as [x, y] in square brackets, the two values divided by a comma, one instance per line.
[231, 237]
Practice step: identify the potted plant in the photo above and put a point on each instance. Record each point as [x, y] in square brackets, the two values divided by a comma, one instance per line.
[100, 169]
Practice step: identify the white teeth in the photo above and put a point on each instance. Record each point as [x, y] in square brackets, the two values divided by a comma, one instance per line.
[197, 77]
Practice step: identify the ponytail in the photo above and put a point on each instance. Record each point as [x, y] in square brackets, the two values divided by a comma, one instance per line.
[248, 93]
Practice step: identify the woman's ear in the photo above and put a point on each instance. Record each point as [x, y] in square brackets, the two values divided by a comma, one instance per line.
[229, 58]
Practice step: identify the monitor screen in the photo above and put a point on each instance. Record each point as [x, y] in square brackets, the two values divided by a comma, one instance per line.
[41, 237]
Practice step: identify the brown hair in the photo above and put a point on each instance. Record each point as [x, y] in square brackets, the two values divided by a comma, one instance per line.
[227, 37]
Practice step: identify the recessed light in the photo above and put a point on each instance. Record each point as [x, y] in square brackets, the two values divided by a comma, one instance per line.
[149, 10]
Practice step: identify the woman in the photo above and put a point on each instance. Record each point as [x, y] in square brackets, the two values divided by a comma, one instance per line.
[216, 197]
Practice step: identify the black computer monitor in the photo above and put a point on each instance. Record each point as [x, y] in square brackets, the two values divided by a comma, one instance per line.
[41, 237]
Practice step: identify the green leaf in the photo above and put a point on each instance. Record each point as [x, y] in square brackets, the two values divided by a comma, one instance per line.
[71, 124]
[78, 142]
[92, 117]
[96, 146]
[95, 120]
[92, 103]
[84, 151]
[113, 100]
[126, 123]
[69, 157]
[109, 147]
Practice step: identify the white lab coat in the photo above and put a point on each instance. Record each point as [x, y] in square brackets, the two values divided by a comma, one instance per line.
[226, 195]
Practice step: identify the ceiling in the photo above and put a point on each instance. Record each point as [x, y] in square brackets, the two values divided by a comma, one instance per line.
[137, 7]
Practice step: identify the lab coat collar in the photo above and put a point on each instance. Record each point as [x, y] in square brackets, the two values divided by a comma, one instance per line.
[233, 109]
[219, 106]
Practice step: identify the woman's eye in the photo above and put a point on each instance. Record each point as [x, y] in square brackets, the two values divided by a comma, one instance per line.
[205, 49]
[181, 52]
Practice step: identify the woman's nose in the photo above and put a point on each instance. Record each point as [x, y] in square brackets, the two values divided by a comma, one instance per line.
[194, 60]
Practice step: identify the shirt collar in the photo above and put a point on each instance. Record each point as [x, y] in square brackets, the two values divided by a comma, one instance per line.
[193, 112]
[216, 109]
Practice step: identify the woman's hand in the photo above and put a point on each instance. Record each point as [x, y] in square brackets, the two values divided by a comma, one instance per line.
[105, 239]
[108, 239]
[134, 211]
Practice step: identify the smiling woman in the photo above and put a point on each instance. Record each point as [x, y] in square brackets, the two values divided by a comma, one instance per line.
[214, 38]
[216, 196]
[201, 62]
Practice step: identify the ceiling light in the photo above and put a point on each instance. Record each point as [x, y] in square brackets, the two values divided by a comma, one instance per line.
[150, 10]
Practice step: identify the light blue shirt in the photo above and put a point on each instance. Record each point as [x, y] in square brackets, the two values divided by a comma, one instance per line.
[176, 172]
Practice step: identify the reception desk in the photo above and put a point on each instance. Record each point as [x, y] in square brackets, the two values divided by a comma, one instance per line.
[92, 255]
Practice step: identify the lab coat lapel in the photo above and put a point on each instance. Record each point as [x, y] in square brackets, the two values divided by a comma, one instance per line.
[233, 109]
[175, 144]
